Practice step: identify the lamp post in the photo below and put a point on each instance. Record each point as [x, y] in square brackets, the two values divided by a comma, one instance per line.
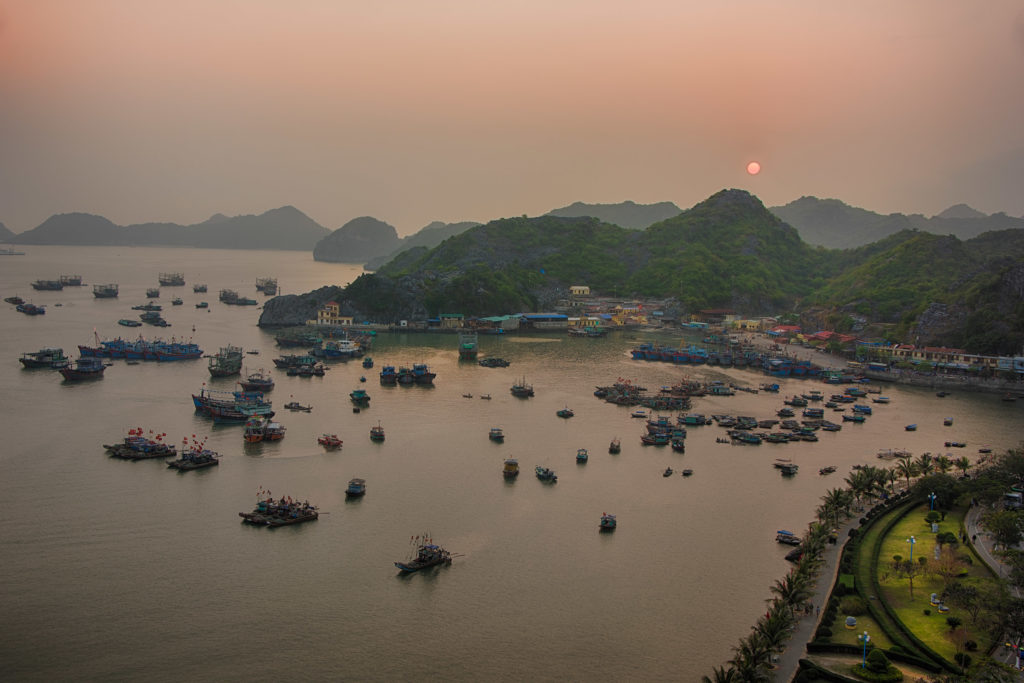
[931, 501]
[911, 541]
[864, 639]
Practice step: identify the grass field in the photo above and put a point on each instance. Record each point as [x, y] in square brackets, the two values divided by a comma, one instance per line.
[932, 628]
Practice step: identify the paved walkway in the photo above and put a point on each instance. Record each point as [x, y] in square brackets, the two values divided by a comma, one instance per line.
[789, 661]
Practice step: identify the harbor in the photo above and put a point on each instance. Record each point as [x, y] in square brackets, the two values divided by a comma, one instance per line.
[708, 540]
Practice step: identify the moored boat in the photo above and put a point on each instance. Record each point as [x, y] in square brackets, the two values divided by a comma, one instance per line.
[258, 381]
[608, 522]
[329, 441]
[267, 285]
[53, 358]
[787, 537]
[496, 434]
[86, 367]
[565, 412]
[226, 362]
[909, 428]
[667, 472]
[615, 446]
[202, 304]
[827, 470]
[194, 457]
[510, 470]
[199, 289]
[377, 433]
[171, 279]
[128, 322]
[425, 554]
[109, 291]
[359, 397]
[295, 405]
[30, 309]
[152, 293]
[521, 389]
[467, 345]
[280, 512]
[48, 285]
[356, 487]
[545, 474]
[581, 455]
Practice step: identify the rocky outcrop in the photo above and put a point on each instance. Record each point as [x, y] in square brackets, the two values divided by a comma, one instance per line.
[358, 241]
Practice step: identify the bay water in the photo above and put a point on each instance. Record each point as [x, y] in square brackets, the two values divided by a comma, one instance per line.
[118, 570]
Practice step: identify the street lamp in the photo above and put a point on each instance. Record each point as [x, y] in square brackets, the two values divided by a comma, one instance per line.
[931, 499]
[864, 639]
[911, 541]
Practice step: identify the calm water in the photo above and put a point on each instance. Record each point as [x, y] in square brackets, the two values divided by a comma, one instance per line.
[128, 570]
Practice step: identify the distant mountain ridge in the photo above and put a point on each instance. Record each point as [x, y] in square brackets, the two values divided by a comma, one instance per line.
[357, 241]
[627, 214]
[5, 234]
[834, 224]
[282, 228]
[426, 237]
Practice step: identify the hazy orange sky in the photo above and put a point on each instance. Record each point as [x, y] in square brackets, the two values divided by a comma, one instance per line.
[413, 111]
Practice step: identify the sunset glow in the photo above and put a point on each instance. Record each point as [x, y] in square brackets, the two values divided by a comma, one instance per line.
[412, 112]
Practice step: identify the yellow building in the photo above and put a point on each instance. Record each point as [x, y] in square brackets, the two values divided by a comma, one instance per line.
[331, 315]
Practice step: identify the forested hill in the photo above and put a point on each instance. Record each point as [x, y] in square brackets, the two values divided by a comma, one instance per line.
[728, 251]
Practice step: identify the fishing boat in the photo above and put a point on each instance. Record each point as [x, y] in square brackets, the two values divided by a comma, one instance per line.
[639, 412]
[136, 446]
[53, 358]
[687, 472]
[909, 428]
[424, 555]
[421, 374]
[368, 362]
[356, 487]
[521, 389]
[202, 304]
[48, 285]
[152, 293]
[880, 399]
[359, 397]
[254, 429]
[14, 300]
[388, 375]
[496, 434]
[199, 289]
[678, 444]
[493, 363]
[947, 422]
[659, 439]
[860, 417]
[30, 309]
[194, 457]
[127, 322]
[176, 301]
[667, 472]
[787, 537]
[295, 405]
[280, 512]
[226, 362]
[267, 285]
[565, 412]
[582, 456]
[10, 251]
[86, 367]
[615, 446]
[545, 474]
[329, 441]
[608, 522]
[377, 433]
[511, 468]
[467, 345]
[486, 397]
[787, 468]
[955, 444]
[105, 291]
[258, 381]
[827, 470]
[171, 280]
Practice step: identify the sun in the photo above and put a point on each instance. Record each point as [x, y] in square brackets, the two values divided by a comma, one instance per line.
[753, 168]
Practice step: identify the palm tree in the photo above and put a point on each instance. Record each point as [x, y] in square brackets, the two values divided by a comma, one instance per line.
[720, 674]
[907, 468]
[832, 502]
[752, 659]
[793, 589]
[858, 483]
[776, 627]
[963, 463]
[892, 475]
[943, 464]
[925, 464]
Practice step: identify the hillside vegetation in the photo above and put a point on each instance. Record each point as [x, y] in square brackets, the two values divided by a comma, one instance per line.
[728, 251]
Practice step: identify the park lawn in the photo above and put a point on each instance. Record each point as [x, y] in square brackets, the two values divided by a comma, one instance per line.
[930, 629]
[845, 636]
